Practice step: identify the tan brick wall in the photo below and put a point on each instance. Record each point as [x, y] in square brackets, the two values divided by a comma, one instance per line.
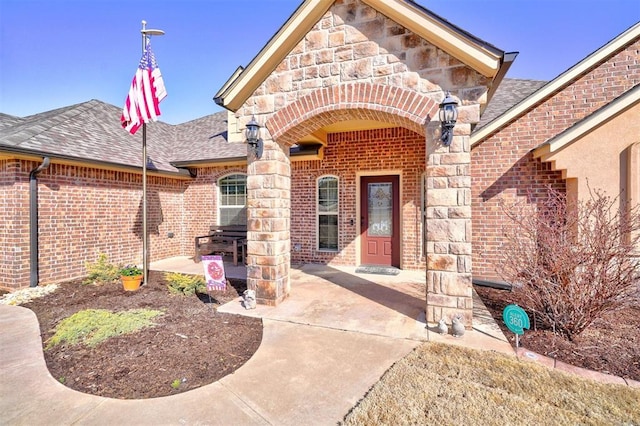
[503, 168]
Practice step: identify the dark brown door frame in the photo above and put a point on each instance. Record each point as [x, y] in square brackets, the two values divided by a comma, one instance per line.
[396, 248]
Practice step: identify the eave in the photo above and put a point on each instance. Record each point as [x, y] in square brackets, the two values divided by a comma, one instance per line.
[588, 124]
[482, 57]
[211, 162]
[33, 155]
[303, 153]
[283, 42]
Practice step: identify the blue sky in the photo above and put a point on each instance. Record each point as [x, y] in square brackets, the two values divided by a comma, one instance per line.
[55, 53]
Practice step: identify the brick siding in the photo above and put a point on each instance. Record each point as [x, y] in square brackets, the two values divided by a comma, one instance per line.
[84, 212]
[14, 224]
[503, 167]
[346, 154]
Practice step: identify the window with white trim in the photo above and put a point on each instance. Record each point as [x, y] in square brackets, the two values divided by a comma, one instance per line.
[327, 210]
[232, 205]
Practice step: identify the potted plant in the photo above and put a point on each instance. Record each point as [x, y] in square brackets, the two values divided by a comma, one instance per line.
[131, 277]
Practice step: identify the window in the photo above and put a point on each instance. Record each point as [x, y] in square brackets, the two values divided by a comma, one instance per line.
[232, 208]
[328, 213]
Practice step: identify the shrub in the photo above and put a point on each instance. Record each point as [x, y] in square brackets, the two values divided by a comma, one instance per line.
[93, 326]
[101, 271]
[572, 261]
[185, 284]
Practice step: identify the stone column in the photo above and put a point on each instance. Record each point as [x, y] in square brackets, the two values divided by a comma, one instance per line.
[268, 224]
[448, 199]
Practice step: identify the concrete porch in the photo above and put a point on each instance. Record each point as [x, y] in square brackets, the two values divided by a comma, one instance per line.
[338, 298]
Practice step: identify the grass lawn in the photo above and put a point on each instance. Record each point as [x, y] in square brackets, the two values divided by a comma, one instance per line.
[443, 384]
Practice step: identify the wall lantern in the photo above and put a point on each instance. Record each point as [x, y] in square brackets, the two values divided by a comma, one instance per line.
[448, 117]
[253, 137]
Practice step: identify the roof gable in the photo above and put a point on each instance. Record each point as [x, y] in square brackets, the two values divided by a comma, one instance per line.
[205, 139]
[473, 52]
[7, 120]
[557, 84]
[588, 124]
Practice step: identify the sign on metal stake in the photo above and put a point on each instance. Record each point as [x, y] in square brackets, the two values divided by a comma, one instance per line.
[516, 320]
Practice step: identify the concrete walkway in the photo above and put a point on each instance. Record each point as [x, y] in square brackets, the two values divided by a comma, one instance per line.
[322, 350]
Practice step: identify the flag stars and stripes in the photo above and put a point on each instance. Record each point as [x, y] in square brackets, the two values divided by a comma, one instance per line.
[145, 94]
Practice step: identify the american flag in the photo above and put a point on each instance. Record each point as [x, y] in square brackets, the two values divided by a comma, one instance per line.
[146, 92]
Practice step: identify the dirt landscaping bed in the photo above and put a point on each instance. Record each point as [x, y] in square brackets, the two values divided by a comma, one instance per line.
[190, 346]
[193, 345]
[610, 345]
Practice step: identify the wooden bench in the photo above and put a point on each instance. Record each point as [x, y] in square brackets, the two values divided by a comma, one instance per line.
[229, 239]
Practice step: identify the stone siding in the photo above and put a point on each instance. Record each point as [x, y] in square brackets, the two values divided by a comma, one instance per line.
[353, 43]
[356, 64]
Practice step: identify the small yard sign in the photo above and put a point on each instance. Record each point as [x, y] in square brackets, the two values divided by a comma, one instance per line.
[516, 320]
[214, 273]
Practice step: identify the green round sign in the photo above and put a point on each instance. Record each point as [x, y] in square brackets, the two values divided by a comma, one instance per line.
[515, 318]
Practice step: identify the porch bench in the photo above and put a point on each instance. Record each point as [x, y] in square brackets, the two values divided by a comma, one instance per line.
[229, 239]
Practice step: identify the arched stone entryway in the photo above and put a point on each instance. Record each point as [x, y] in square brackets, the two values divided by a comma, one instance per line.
[363, 101]
[269, 190]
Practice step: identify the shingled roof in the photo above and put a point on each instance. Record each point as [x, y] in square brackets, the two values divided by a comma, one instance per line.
[91, 131]
[510, 92]
[205, 139]
[7, 120]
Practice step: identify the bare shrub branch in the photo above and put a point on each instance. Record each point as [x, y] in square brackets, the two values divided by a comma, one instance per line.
[573, 261]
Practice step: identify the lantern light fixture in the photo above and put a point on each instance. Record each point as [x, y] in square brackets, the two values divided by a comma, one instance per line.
[448, 115]
[253, 137]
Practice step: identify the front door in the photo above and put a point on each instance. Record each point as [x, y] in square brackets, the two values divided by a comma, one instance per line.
[380, 220]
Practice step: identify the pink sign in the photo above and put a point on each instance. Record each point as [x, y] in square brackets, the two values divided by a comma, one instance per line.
[214, 273]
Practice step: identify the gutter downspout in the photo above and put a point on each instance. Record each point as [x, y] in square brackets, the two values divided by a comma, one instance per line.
[33, 221]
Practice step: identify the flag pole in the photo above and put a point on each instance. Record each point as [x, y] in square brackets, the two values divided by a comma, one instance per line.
[145, 259]
[145, 254]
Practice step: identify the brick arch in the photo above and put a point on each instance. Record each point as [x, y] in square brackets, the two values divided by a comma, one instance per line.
[353, 101]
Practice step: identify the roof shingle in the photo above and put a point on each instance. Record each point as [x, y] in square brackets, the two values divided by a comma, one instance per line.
[92, 131]
[510, 92]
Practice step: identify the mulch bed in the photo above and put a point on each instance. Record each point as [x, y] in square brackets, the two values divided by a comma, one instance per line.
[194, 344]
[610, 345]
[191, 343]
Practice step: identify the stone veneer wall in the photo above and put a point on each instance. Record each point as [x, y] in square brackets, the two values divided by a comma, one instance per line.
[357, 64]
[449, 230]
[354, 43]
[503, 168]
